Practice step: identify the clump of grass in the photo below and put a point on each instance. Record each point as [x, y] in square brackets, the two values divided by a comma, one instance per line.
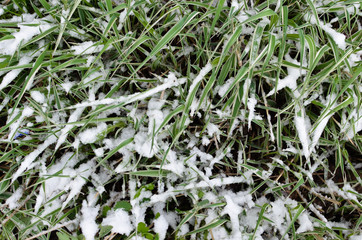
[180, 119]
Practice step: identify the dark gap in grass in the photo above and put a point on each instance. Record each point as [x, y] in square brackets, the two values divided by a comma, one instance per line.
[183, 204]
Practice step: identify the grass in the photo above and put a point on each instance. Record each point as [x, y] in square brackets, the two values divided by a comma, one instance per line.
[166, 113]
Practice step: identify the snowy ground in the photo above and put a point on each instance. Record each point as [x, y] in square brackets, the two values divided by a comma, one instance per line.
[180, 119]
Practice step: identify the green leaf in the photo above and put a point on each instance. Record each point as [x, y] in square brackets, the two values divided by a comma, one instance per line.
[212, 224]
[265, 13]
[123, 204]
[30, 79]
[171, 34]
[299, 211]
[142, 228]
[62, 236]
[149, 173]
[105, 230]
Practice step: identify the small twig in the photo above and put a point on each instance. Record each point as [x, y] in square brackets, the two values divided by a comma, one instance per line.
[162, 94]
[110, 237]
[212, 235]
[217, 145]
[320, 195]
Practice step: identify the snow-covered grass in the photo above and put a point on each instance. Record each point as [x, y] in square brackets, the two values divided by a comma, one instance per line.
[180, 119]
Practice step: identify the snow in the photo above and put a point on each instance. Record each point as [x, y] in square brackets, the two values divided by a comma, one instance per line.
[87, 223]
[305, 223]
[213, 129]
[174, 164]
[122, 18]
[11, 75]
[355, 237]
[233, 210]
[161, 226]
[290, 80]
[279, 215]
[205, 70]
[25, 34]
[88, 47]
[201, 184]
[326, 115]
[91, 135]
[65, 130]
[224, 88]
[302, 125]
[119, 220]
[251, 106]
[171, 81]
[75, 186]
[338, 38]
[99, 152]
[143, 145]
[37, 96]
[67, 86]
[93, 76]
[28, 160]
[246, 90]
[13, 201]
[194, 164]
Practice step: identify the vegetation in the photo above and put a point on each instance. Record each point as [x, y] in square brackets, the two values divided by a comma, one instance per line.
[146, 119]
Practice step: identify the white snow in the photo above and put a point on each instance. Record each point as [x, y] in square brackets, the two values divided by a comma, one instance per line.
[81, 174]
[86, 48]
[143, 145]
[339, 38]
[302, 125]
[28, 160]
[356, 237]
[233, 210]
[251, 106]
[99, 152]
[25, 34]
[224, 88]
[91, 135]
[119, 220]
[290, 80]
[305, 223]
[87, 223]
[37, 96]
[13, 201]
[326, 115]
[161, 226]
[213, 129]
[205, 70]
[10, 76]
[246, 90]
[65, 130]
[171, 81]
[67, 86]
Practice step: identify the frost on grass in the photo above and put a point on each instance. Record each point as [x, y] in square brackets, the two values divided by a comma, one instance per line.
[267, 151]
